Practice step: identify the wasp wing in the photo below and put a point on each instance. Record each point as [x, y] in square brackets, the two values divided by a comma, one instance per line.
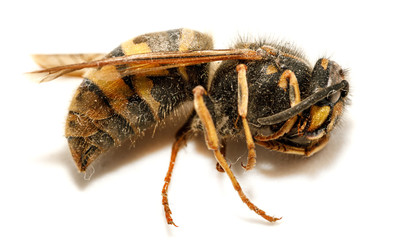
[48, 61]
[150, 62]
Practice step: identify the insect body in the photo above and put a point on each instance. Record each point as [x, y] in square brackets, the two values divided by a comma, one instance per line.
[265, 92]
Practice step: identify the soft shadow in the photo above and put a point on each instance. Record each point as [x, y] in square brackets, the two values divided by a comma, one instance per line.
[279, 165]
[127, 153]
[272, 164]
[263, 223]
[275, 164]
[63, 157]
[119, 156]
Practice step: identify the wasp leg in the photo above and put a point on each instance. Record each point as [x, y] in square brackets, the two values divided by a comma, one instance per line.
[315, 147]
[287, 78]
[212, 142]
[223, 151]
[243, 111]
[180, 140]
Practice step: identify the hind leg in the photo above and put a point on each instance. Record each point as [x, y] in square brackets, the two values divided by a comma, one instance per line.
[180, 140]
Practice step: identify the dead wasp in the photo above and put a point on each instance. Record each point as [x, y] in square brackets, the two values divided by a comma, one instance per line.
[266, 92]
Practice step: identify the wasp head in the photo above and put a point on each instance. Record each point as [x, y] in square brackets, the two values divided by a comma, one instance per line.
[318, 112]
[324, 114]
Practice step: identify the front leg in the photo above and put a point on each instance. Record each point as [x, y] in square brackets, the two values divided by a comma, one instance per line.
[314, 147]
[287, 80]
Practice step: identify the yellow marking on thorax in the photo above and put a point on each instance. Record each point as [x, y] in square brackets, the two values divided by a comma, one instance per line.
[318, 116]
[274, 52]
[324, 63]
[143, 87]
[283, 82]
[271, 69]
[130, 48]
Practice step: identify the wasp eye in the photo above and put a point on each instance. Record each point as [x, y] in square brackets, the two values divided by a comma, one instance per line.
[342, 74]
[336, 74]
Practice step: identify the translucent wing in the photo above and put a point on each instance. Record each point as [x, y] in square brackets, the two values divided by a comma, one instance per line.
[151, 62]
[48, 61]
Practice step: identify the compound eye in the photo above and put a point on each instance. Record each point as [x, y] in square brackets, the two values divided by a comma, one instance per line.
[342, 73]
[327, 73]
[336, 74]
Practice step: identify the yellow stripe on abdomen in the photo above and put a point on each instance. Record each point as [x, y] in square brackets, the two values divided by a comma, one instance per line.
[143, 87]
[130, 48]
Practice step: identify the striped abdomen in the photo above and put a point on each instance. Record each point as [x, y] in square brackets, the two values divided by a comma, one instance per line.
[109, 108]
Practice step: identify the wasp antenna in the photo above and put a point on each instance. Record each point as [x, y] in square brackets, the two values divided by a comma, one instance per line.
[303, 105]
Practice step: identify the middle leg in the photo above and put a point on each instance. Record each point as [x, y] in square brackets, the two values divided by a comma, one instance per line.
[287, 79]
[243, 111]
[213, 144]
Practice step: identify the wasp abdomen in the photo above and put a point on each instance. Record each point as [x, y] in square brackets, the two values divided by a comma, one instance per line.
[110, 107]
[92, 125]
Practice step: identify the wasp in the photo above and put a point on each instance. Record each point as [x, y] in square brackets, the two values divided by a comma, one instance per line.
[264, 92]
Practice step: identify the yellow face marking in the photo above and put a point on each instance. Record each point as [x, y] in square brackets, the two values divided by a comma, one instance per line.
[187, 37]
[130, 48]
[271, 69]
[318, 116]
[324, 63]
[143, 87]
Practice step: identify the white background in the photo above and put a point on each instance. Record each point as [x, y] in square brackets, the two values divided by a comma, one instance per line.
[349, 190]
